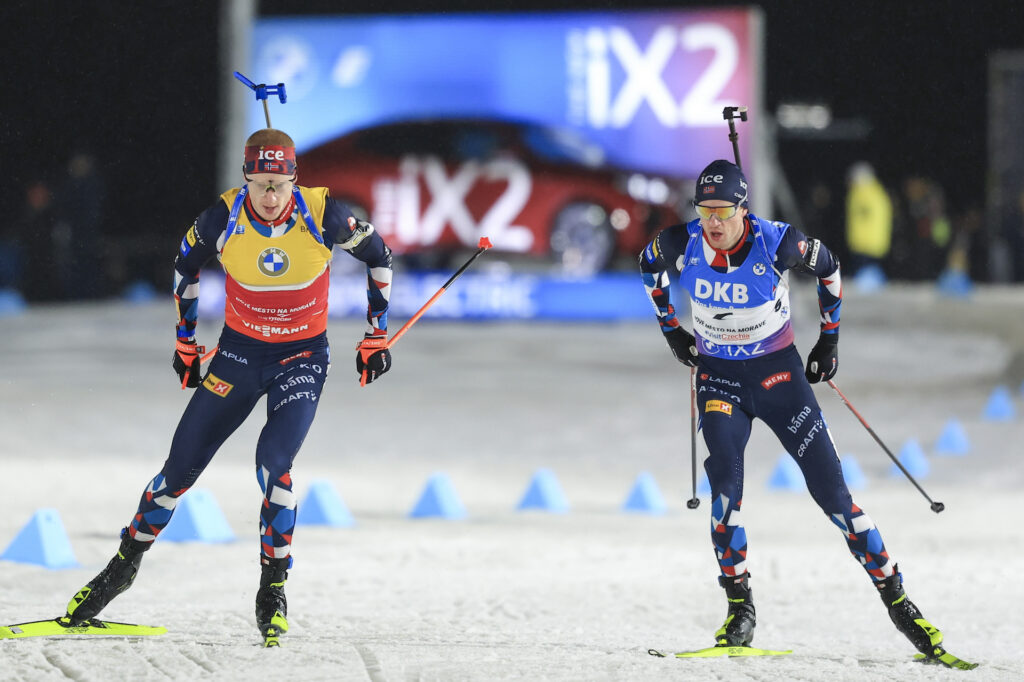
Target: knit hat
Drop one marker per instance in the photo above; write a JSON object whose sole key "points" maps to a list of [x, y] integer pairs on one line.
{"points": [[721, 180]]}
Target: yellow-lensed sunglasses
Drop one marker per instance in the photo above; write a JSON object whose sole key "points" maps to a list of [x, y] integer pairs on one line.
{"points": [[720, 212]]}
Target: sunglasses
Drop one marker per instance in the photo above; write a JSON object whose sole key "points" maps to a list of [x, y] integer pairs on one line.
{"points": [[260, 188], [720, 212]]}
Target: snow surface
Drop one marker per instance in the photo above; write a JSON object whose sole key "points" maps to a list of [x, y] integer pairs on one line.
{"points": [[89, 404]]}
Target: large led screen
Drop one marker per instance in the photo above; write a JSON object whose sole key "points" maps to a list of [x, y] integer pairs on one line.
{"points": [[647, 87]]}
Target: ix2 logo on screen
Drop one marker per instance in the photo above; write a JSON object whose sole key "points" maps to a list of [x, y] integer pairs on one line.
{"points": [[590, 63], [397, 202]]}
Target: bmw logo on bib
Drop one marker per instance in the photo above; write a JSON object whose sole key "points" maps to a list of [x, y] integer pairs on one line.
{"points": [[759, 268], [273, 262]]}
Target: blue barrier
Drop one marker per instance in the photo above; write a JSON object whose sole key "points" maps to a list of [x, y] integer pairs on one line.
{"points": [[486, 296]]}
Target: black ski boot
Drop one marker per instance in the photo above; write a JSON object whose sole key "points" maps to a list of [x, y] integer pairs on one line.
{"points": [[925, 637], [738, 628], [117, 577], [271, 605]]}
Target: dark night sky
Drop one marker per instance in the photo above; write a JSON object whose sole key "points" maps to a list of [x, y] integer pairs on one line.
{"points": [[137, 82]]}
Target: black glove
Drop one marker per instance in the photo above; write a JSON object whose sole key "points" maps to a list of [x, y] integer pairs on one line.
{"points": [[372, 358], [823, 360], [683, 345], [186, 362]]}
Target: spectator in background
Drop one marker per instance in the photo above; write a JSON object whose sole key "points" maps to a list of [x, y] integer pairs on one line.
{"points": [[819, 215], [968, 252], [868, 218], [1013, 233], [928, 228], [78, 233], [29, 245]]}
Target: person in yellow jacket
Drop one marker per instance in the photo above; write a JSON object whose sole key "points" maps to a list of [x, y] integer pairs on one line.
{"points": [[275, 241], [868, 218]]}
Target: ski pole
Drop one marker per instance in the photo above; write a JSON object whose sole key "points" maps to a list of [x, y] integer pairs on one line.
{"points": [[728, 113], [935, 506], [484, 244], [693, 502]]}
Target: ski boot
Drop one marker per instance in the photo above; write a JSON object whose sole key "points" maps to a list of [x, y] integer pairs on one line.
{"points": [[738, 628], [271, 605], [117, 577], [907, 618]]}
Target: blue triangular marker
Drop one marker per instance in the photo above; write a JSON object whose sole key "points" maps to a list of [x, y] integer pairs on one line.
{"points": [[438, 500], [11, 302], [954, 283], [913, 460], [852, 473], [545, 493], [787, 475], [42, 541], [1000, 405], [869, 278], [198, 518], [703, 484], [323, 506], [645, 497], [952, 440]]}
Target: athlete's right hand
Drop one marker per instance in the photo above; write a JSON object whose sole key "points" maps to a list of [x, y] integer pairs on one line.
{"points": [[683, 345], [372, 358], [186, 362]]}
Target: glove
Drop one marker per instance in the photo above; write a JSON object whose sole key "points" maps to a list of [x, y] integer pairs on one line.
{"points": [[372, 358], [823, 360], [186, 362], [683, 345]]}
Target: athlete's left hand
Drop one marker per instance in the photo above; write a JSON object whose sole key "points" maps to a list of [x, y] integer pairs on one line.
{"points": [[372, 358], [823, 360]]}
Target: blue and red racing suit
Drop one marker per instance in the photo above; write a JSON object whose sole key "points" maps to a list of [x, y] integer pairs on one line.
{"points": [[748, 367], [273, 344]]}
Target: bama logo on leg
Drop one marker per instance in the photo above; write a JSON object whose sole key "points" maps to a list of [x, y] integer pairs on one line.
{"points": [[217, 386]]}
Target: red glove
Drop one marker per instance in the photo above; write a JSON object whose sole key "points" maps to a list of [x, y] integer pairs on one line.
{"points": [[186, 362], [372, 358]]}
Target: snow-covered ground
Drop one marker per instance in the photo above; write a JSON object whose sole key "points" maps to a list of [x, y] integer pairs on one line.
{"points": [[89, 403]]}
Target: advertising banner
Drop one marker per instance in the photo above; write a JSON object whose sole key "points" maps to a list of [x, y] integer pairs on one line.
{"points": [[647, 87]]}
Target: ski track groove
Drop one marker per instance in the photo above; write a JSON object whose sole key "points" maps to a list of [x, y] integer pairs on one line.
{"points": [[374, 670], [200, 660], [56, 661], [154, 660]]}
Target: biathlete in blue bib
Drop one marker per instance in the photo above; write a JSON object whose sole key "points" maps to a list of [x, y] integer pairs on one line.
{"points": [[734, 266]]}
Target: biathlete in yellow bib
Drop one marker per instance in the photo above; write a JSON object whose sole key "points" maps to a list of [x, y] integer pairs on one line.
{"points": [[275, 241]]}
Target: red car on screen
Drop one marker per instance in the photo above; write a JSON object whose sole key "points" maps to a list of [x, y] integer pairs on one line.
{"points": [[438, 186]]}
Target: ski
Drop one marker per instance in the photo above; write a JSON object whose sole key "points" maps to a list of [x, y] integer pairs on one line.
{"points": [[57, 627], [943, 657], [713, 651]]}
